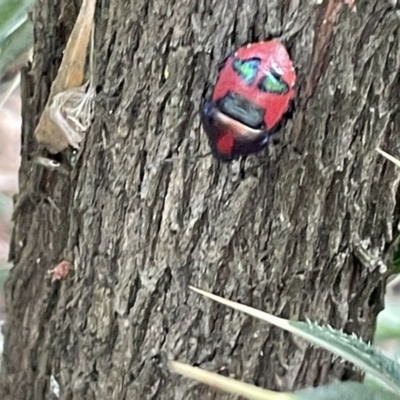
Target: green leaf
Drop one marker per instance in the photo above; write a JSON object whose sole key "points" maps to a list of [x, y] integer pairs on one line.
{"points": [[1, 343], [230, 385], [388, 323], [4, 270], [395, 267], [18, 43], [12, 14], [347, 391], [6, 204], [16, 36], [349, 347]]}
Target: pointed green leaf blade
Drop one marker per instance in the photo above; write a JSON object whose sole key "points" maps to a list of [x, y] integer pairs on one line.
{"points": [[347, 391], [349, 347]]}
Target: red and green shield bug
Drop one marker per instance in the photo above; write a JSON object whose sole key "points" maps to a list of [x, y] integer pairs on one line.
{"points": [[253, 92]]}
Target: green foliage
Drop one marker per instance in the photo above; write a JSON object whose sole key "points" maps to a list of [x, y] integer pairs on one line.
{"points": [[352, 349], [396, 260], [395, 266], [3, 276], [388, 323], [16, 35], [6, 204], [346, 391], [4, 270]]}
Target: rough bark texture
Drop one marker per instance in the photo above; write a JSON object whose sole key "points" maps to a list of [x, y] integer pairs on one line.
{"points": [[283, 236]]}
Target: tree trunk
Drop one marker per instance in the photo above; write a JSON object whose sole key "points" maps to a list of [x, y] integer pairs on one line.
{"points": [[290, 236]]}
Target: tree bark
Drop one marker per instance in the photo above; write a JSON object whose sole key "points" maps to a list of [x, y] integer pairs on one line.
{"points": [[286, 236]]}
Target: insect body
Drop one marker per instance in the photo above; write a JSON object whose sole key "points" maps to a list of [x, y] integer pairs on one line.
{"points": [[254, 90]]}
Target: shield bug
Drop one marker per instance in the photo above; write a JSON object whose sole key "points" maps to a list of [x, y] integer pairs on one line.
{"points": [[253, 92]]}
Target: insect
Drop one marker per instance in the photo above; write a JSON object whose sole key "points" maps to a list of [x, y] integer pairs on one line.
{"points": [[253, 92]]}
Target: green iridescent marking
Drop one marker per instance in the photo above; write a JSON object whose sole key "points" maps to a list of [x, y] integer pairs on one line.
{"points": [[246, 69], [272, 82]]}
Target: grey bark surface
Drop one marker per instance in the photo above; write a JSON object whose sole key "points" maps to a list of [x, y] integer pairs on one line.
{"points": [[281, 232]]}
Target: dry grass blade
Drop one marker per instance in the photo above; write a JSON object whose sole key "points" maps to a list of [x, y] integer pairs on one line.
{"points": [[228, 384], [394, 160]]}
